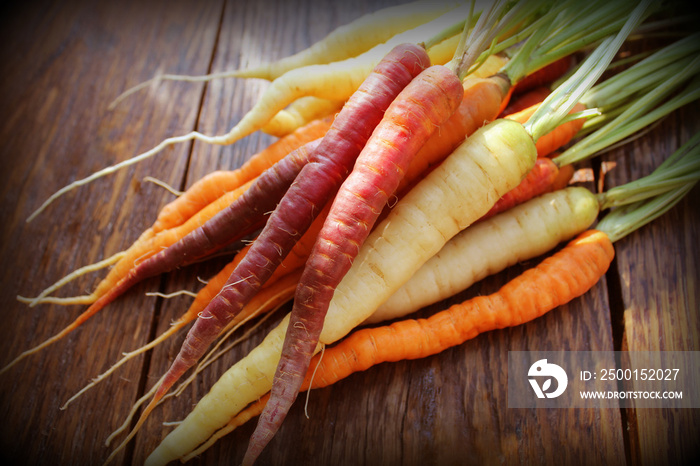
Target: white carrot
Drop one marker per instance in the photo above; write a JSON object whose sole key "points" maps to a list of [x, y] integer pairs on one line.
{"points": [[337, 80], [490, 246], [344, 42], [463, 188], [299, 113]]}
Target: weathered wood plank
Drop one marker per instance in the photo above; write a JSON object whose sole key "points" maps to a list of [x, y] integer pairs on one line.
{"points": [[658, 276], [62, 63]]}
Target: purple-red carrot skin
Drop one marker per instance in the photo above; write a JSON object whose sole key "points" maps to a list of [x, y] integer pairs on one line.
{"points": [[424, 105], [317, 183], [245, 215], [242, 217]]}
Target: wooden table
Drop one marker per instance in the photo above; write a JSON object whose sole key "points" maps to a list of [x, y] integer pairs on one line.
{"points": [[63, 62]]}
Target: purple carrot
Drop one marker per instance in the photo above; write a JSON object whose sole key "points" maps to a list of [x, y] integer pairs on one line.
{"points": [[410, 120], [243, 216], [316, 184]]}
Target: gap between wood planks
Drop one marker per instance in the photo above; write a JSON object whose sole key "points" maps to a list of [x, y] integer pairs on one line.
{"points": [[616, 305], [130, 449]]}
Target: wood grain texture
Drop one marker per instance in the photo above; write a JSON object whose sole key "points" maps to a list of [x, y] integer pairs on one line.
{"points": [[658, 276], [62, 63]]}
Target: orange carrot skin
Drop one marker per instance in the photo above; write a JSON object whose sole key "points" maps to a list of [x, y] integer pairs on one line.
{"points": [[567, 274], [560, 278], [538, 181], [216, 184], [561, 135], [316, 184], [424, 105], [566, 173]]}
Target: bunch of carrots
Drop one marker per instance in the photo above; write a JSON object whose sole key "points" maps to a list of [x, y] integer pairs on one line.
{"points": [[397, 159]]}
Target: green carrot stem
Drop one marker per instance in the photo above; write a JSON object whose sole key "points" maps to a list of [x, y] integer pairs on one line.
{"points": [[622, 221], [633, 78], [637, 116], [620, 95], [682, 168], [571, 27], [562, 100]]}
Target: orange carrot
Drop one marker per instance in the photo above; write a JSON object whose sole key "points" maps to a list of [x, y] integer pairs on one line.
{"points": [[538, 181], [566, 173], [567, 274]]}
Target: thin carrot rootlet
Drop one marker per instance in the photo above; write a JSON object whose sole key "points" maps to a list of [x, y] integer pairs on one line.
{"points": [[188, 211]]}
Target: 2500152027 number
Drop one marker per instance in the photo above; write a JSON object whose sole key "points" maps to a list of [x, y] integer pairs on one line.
{"points": [[639, 374]]}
